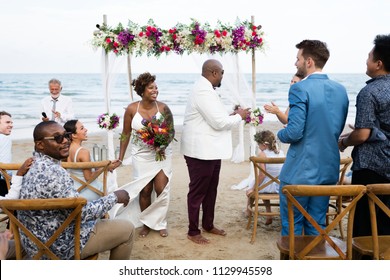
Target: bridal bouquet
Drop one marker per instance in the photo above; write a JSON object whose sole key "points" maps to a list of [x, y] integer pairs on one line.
{"points": [[156, 135], [108, 122], [254, 117]]}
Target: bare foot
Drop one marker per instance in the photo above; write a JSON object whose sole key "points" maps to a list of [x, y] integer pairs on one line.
{"points": [[198, 239], [163, 233], [216, 231], [144, 232], [268, 221]]}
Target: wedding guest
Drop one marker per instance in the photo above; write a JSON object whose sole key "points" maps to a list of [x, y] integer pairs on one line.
{"points": [[313, 157], [152, 167], [77, 153], [57, 107], [274, 109], [48, 179], [268, 148], [6, 125], [370, 153], [206, 139]]}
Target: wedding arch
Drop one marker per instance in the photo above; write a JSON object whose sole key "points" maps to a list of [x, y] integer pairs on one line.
{"points": [[195, 37]]}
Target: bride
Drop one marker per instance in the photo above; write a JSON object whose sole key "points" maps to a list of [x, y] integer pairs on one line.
{"points": [[150, 175]]}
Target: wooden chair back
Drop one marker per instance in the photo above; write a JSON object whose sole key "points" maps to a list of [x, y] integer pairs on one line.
{"points": [[257, 198], [75, 204], [322, 246], [336, 202], [102, 166], [375, 246], [5, 168]]}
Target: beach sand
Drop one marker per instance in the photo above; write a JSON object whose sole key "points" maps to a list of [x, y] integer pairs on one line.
{"points": [[228, 213]]}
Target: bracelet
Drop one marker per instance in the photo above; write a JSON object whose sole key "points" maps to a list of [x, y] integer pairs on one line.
{"points": [[120, 161]]}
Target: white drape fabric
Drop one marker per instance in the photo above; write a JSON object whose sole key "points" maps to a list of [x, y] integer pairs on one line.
{"points": [[110, 65]]}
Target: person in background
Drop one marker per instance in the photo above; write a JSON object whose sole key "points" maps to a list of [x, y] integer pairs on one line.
{"points": [[206, 139], [266, 141], [150, 174], [313, 156], [370, 154], [77, 153], [274, 109], [6, 125], [56, 107], [48, 179]]}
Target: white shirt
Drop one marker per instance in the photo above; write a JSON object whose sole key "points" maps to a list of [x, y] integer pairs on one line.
{"points": [[5, 148], [64, 106], [207, 125]]}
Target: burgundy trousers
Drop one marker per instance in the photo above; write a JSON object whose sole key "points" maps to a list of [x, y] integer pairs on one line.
{"points": [[204, 178]]}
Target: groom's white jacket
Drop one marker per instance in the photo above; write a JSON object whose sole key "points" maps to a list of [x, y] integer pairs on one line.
{"points": [[207, 124]]}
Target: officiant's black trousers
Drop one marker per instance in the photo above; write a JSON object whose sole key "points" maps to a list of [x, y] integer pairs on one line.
{"points": [[204, 178]]}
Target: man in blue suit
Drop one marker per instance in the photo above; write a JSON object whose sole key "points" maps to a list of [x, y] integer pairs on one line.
{"points": [[318, 110]]}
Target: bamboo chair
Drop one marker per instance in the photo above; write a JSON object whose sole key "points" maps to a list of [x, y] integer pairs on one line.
{"points": [[4, 168], [100, 165], [336, 202], [321, 246], [75, 204], [377, 247], [257, 198]]}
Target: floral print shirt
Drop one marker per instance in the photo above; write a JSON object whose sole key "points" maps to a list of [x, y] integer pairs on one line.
{"points": [[372, 105], [48, 179]]}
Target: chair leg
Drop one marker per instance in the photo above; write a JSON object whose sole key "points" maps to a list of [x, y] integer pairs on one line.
{"points": [[255, 217]]}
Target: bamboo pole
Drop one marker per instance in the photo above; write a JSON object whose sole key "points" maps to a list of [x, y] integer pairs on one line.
{"points": [[106, 75], [253, 73], [129, 75]]}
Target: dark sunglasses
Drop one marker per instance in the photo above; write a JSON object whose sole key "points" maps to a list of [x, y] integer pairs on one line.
{"points": [[59, 138]]}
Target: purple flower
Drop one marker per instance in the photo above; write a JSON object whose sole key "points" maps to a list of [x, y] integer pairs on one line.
{"points": [[125, 37]]}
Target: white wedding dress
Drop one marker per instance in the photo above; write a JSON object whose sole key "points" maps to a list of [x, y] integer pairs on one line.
{"points": [[145, 168]]}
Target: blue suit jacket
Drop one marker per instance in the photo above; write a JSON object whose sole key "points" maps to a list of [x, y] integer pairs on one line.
{"points": [[318, 110]]}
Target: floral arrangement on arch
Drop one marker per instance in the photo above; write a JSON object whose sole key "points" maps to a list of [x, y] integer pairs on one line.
{"points": [[105, 121], [192, 38]]}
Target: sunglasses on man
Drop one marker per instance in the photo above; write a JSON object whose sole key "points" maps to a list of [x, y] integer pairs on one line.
{"points": [[59, 138]]}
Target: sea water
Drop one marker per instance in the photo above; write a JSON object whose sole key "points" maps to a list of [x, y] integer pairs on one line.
{"points": [[21, 94]]}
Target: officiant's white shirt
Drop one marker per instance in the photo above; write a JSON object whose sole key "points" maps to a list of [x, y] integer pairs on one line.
{"points": [[207, 125]]}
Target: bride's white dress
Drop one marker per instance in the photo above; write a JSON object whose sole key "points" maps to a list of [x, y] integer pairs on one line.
{"points": [[145, 168]]}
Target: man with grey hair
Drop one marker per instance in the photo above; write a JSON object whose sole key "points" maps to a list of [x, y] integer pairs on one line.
{"points": [[57, 107]]}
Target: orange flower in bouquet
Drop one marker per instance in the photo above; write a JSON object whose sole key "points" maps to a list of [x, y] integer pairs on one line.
{"points": [[156, 135]]}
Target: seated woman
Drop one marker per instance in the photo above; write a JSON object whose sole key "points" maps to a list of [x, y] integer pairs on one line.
{"points": [[266, 141], [77, 153]]}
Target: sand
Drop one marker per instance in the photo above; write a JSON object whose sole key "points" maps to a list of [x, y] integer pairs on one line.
{"points": [[228, 214]]}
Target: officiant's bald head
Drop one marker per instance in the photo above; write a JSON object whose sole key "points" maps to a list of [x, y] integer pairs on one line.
{"points": [[213, 71]]}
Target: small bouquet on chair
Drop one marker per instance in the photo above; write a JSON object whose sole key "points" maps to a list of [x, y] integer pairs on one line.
{"points": [[254, 117], [156, 135]]}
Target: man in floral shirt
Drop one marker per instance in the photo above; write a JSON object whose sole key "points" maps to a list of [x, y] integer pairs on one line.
{"points": [[48, 179]]}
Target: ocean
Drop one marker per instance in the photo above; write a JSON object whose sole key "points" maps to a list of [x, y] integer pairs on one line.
{"points": [[21, 94]]}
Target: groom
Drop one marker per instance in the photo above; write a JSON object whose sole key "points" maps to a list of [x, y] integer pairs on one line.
{"points": [[206, 139], [318, 110]]}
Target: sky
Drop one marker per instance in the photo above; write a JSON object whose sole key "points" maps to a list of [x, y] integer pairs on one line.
{"points": [[53, 36]]}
